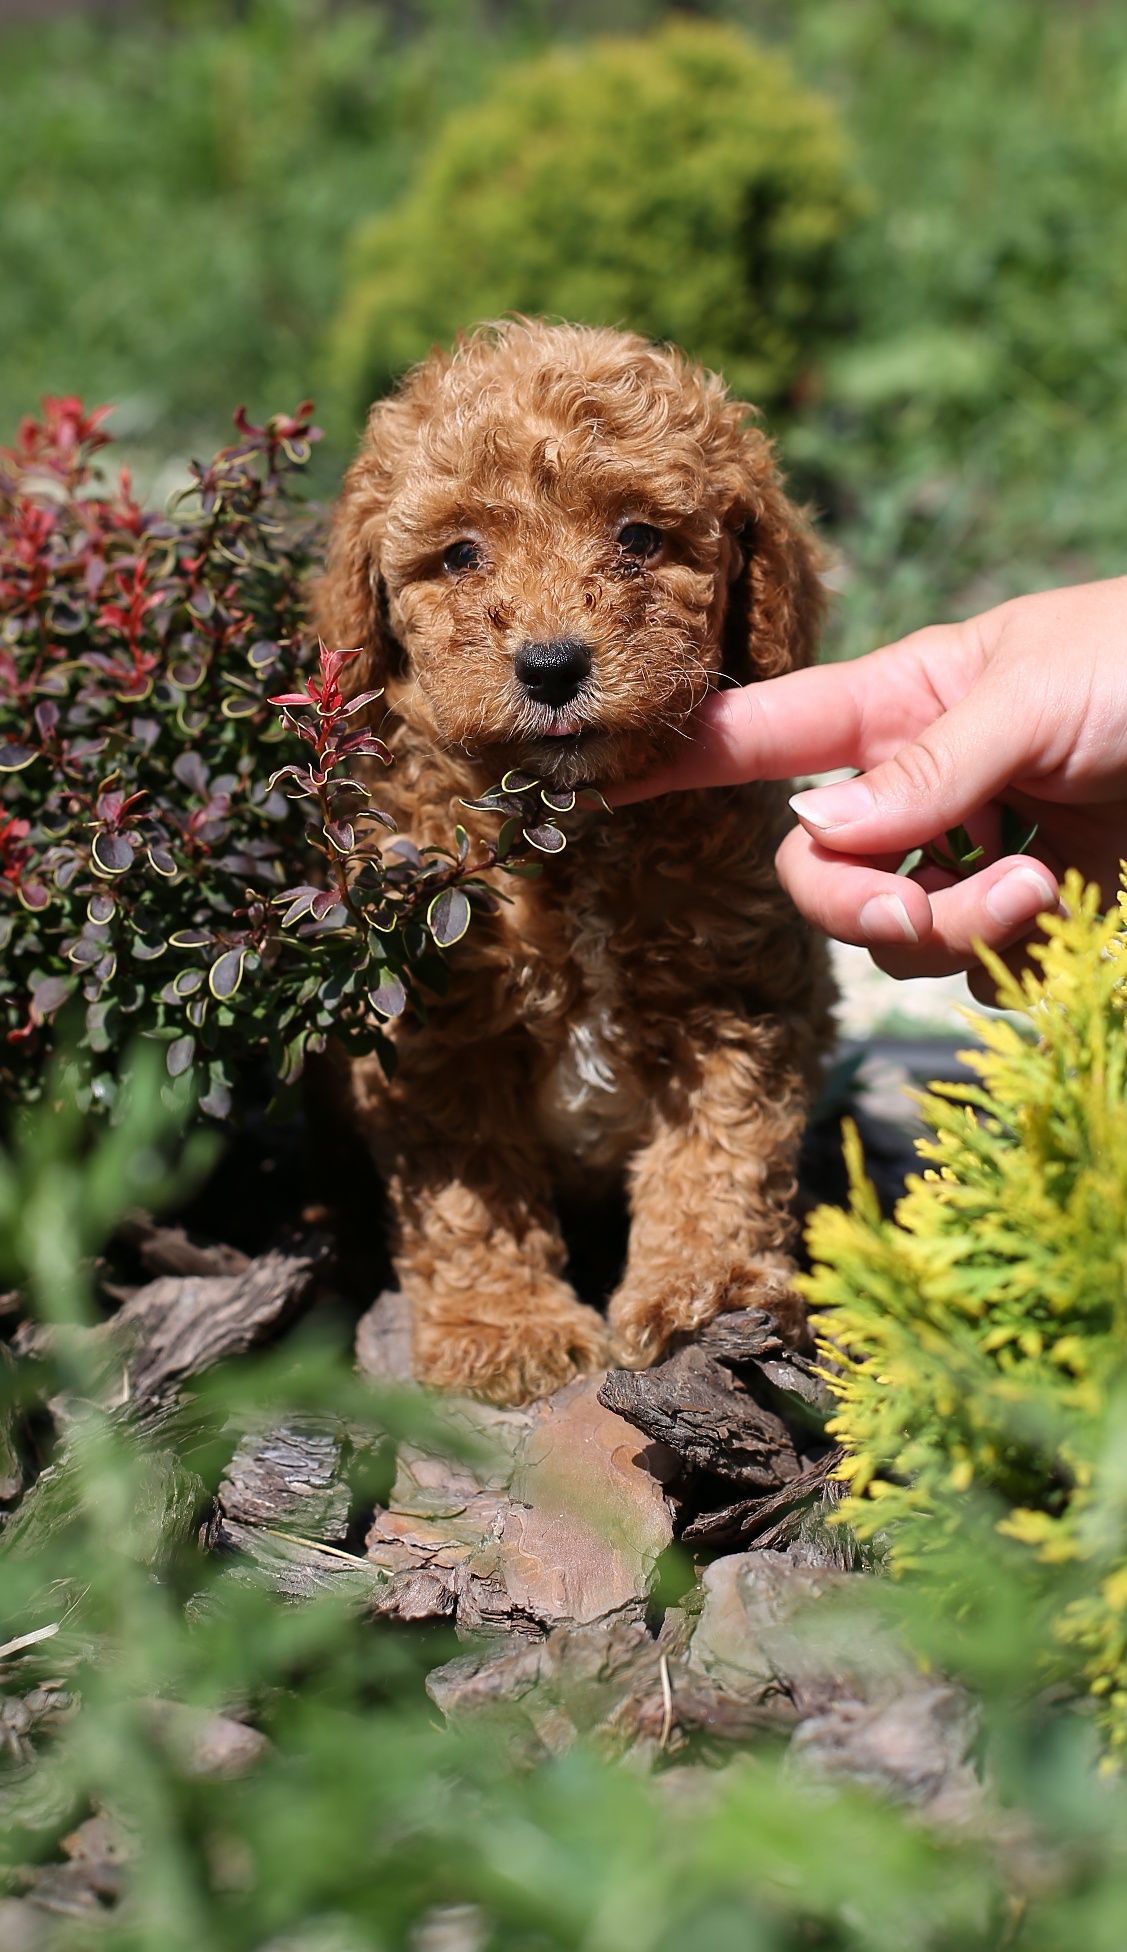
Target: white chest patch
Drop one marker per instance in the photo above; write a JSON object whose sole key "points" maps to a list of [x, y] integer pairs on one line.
{"points": [[588, 1104]]}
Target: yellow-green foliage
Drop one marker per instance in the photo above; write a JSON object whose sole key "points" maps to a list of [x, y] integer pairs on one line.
{"points": [[985, 1327], [684, 185]]}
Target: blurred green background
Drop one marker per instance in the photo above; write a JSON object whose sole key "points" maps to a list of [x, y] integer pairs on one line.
{"points": [[924, 282]]}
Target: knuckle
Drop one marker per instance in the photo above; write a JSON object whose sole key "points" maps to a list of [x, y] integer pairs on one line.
{"points": [[931, 638], [918, 773]]}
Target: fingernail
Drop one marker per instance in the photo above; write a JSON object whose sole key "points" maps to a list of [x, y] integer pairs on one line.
{"points": [[834, 806], [882, 913], [1012, 899]]}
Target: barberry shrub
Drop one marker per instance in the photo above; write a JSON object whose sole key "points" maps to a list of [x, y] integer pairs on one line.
{"points": [[977, 1342], [167, 868]]}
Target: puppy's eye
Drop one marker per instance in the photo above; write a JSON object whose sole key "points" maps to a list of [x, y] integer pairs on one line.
{"points": [[462, 555], [640, 539]]}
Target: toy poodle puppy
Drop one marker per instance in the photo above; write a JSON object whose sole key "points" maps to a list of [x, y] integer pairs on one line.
{"points": [[554, 542]]}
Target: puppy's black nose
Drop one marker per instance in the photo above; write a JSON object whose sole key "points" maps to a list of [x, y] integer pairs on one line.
{"points": [[552, 673]]}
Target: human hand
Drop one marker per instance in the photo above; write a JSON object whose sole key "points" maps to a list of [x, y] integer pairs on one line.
{"points": [[1024, 707]]}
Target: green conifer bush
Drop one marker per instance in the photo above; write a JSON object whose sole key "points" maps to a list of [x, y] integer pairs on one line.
{"points": [[977, 1342], [685, 185]]}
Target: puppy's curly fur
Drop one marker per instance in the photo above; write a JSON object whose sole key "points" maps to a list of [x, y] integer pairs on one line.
{"points": [[652, 1003]]}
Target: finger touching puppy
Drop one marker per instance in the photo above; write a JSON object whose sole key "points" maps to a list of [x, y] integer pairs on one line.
{"points": [[554, 543]]}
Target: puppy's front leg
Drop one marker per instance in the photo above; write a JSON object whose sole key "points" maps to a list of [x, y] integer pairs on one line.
{"points": [[477, 1249], [711, 1193]]}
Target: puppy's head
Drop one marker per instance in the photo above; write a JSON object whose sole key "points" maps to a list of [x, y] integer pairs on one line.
{"points": [[555, 541]]}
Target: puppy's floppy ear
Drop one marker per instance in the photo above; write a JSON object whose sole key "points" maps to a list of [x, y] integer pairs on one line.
{"points": [[776, 598], [350, 603]]}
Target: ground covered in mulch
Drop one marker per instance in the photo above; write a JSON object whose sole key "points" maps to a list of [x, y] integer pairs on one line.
{"points": [[636, 1559]]}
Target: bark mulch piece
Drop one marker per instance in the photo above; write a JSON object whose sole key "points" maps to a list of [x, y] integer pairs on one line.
{"points": [[179, 1325], [698, 1409], [563, 1520], [290, 1476]]}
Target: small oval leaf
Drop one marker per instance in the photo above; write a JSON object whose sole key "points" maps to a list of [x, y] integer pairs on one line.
{"points": [[13, 757], [238, 705], [49, 993], [162, 861], [110, 853], [224, 976], [187, 673], [448, 917], [148, 948], [389, 998], [506, 839], [546, 838], [180, 1055], [190, 770]]}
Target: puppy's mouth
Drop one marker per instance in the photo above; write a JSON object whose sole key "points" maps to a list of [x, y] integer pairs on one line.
{"points": [[570, 753]]}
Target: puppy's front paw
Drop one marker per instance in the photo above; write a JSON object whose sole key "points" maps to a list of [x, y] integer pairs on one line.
{"points": [[514, 1359], [650, 1312]]}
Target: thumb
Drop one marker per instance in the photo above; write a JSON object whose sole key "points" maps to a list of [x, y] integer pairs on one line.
{"points": [[955, 765]]}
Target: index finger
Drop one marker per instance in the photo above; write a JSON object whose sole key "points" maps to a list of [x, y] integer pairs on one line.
{"points": [[811, 721], [804, 722]]}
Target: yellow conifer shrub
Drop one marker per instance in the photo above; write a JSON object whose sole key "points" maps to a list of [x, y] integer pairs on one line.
{"points": [[977, 1342]]}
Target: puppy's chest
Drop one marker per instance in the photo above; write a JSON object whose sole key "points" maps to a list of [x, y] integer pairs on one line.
{"points": [[590, 1106]]}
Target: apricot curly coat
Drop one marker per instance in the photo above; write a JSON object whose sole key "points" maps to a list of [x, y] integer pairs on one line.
{"points": [[652, 1004]]}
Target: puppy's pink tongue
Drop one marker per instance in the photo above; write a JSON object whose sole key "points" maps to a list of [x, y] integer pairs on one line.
{"points": [[566, 730]]}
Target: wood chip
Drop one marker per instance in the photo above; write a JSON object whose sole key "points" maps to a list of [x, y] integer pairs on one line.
{"points": [[178, 1326], [290, 1476], [383, 1339], [768, 1521], [697, 1408], [297, 1568], [165, 1249]]}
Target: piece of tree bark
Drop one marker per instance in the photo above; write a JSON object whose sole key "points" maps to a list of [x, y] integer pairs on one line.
{"points": [[39, 1713], [694, 1406], [23, 1927], [864, 1712], [180, 1325], [570, 1529], [206, 1744], [746, 1335], [297, 1568], [164, 1516], [609, 1682], [176, 1327], [71, 1890], [11, 1467], [290, 1476], [383, 1339], [747, 1341], [163, 1249], [913, 1743], [768, 1521]]}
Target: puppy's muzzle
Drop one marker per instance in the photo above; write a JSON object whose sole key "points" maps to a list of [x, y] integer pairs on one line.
{"points": [[551, 674]]}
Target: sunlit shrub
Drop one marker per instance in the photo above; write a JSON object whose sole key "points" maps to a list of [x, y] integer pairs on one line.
{"points": [[984, 1328], [684, 185]]}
